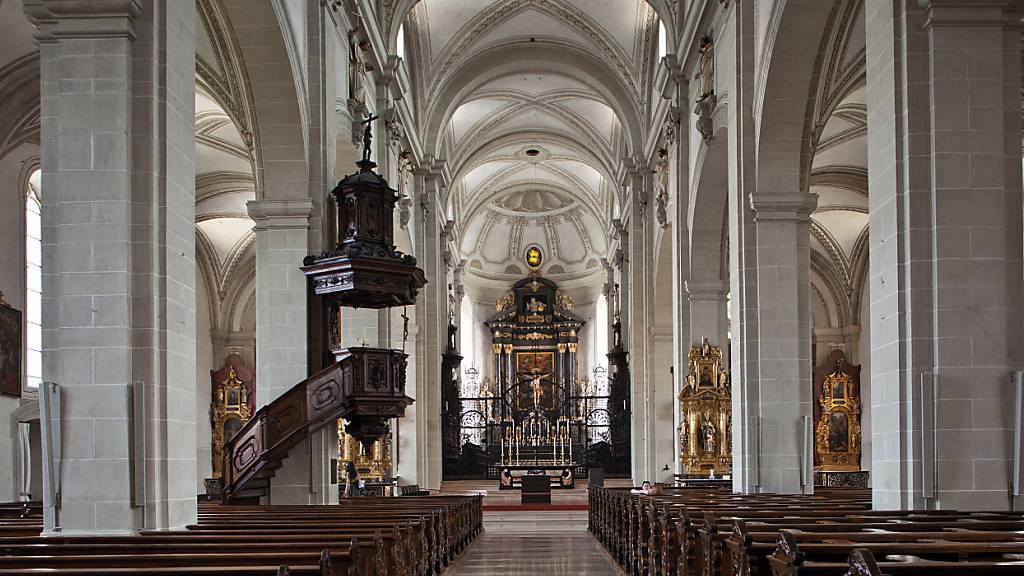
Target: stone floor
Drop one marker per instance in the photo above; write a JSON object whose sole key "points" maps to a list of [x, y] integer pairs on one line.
{"points": [[534, 542], [538, 554]]}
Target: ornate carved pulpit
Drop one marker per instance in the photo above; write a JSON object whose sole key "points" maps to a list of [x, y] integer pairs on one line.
{"points": [[366, 270], [705, 414]]}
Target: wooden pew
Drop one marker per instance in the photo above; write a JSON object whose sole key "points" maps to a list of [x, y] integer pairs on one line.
{"points": [[954, 559], [408, 537]]}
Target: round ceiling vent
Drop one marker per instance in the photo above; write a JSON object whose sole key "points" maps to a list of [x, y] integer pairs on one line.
{"points": [[534, 153]]}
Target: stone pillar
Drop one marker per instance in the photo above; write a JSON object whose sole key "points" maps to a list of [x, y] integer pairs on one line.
{"points": [[744, 352], [431, 321], [707, 312], [653, 405], [782, 229], [282, 241], [944, 158], [118, 158]]}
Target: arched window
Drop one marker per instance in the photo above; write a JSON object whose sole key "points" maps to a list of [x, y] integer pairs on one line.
{"points": [[601, 328], [662, 40], [400, 42], [33, 283]]}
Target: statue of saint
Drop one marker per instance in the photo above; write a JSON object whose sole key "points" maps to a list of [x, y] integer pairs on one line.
{"points": [[356, 69], [535, 305], [706, 73], [661, 170], [708, 432]]}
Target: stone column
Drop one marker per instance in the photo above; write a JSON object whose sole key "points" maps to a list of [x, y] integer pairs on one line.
{"points": [[744, 353], [782, 231], [653, 403], [118, 155], [431, 321], [707, 312], [282, 241], [944, 158]]}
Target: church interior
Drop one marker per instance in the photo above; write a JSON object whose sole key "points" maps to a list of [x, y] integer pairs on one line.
{"points": [[410, 287]]}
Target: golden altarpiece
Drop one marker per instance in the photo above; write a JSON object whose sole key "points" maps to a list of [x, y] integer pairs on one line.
{"points": [[837, 435], [705, 414], [232, 405], [372, 464]]}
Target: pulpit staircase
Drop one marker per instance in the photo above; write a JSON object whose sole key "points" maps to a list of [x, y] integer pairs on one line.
{"points": [[365, 385]]}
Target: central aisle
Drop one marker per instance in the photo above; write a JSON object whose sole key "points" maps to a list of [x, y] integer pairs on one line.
{"points": [[534, 540], [543, 553]]}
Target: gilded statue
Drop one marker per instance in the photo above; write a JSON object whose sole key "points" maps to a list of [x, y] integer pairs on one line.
{"points": [[504, 302]]}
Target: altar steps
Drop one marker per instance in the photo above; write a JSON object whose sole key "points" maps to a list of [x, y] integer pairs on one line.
{"points": [[532, 522]]}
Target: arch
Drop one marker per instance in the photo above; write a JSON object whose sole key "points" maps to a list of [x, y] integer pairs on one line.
{"points": [[537, 57], [279, 140], [20, 101], [707, 218], [790, 61]]}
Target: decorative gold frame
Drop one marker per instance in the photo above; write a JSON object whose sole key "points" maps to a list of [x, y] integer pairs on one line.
{"points": [[838, 432], [375, 465], [230, 404], [705, 414]]}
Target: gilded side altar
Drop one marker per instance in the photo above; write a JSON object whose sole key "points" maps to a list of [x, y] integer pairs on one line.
{"points": [[705, 414]]}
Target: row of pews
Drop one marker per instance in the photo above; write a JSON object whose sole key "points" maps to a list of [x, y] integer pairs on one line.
{"points": [[713, 532], [410, 536]]}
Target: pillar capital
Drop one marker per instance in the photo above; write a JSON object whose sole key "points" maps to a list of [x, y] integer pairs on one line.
{"points": [[973, 13], [795, 207], [707, 290], [280, 214], [83, 18]]}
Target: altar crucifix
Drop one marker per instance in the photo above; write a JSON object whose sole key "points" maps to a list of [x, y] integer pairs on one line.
{"points": [[538, 390]]}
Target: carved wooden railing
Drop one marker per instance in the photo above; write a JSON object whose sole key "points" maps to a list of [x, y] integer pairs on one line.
{"points": [[365, 384]]}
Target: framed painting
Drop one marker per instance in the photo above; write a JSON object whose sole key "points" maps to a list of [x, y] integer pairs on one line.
{"points": [[10, 350]]}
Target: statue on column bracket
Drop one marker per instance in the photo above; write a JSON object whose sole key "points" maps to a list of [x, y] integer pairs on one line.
{"points": [[706, 98], [661, 181], [405, 168], [357, 69]]}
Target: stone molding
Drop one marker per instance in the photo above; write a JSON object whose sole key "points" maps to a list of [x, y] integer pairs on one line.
{"points": [[707, 290], [280, 214], [968, 13], [783, 207], [58, 19]]}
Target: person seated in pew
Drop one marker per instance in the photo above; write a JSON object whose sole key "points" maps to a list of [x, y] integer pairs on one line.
{"points": [[644, 488]]}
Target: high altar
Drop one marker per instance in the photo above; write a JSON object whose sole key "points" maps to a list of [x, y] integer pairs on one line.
{"points": [[705, 414], [535, 339]]}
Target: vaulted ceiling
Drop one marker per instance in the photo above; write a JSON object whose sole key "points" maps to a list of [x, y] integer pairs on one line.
{"points": [[534, 146], [839, 171]]}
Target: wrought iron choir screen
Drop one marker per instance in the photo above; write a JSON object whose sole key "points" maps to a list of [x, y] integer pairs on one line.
{"points": [[536, 411]]}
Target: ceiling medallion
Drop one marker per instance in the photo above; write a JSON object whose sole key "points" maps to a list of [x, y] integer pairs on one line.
{"points": [[534, 257]]}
